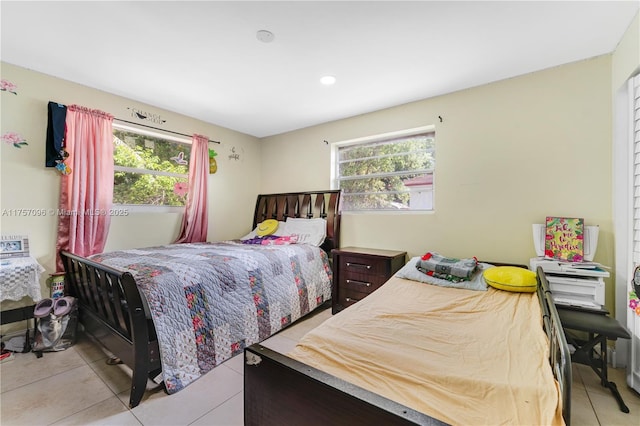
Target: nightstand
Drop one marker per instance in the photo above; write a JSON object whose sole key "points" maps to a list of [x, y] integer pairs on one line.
{"points": [[358, 272]]}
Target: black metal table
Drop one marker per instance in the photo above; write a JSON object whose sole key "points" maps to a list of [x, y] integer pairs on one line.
{"points": [[599, 326]]}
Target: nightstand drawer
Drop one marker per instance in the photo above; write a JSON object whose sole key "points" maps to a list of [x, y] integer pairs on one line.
{"points": [[361, 284], [374, 280], [349, 297], [363, 266]]}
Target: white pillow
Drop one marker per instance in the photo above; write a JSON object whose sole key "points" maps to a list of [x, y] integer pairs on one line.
{"points": [[309, 231], [279, 232]]}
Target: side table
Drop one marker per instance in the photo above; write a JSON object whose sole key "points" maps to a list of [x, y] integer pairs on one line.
{"points": [[20, 277], [358, 272]]}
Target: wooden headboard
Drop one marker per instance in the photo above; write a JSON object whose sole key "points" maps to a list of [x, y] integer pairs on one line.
{"points": [[309, 205]]}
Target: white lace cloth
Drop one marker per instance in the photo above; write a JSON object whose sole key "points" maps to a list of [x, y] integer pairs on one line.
{"points": [[20, 277]]}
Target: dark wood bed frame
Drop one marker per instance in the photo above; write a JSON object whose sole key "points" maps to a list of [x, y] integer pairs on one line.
{"points": [[279, 390], [115, 313]]}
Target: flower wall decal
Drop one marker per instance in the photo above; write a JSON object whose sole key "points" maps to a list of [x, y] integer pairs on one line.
{"points": [[7, 86], [13, 138], [180, 189], [634, 302]]}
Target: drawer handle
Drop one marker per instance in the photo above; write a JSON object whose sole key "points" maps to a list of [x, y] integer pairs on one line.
{"points": [[349, 299], [359, 283], [358, 265]]}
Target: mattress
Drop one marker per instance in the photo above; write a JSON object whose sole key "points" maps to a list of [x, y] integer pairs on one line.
{"points": [[208, 301], [461, 356]]}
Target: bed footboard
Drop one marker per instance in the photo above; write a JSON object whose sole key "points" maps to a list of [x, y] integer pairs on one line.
{"points": [[113, 312], [280, 390], [559, 355]]}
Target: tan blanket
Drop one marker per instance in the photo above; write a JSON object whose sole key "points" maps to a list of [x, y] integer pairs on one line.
{"points": [[461, 356]]}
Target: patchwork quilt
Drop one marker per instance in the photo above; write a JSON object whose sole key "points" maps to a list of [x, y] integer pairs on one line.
{"points": [[208, 301]]}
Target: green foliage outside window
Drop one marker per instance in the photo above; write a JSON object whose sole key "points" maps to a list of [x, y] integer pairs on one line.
{"points": [[372, 175], [142, 155]]}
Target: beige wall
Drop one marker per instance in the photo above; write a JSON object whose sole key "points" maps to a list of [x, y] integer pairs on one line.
{"points": [[626, 57], [508, 154], [27, 184]]}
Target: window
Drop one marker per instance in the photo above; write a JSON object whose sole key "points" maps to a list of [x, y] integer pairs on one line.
{"points": [[149, 169], [387, 172]]}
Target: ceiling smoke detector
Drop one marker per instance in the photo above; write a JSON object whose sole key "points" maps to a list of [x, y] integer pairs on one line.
{"points": [[265, 36]]}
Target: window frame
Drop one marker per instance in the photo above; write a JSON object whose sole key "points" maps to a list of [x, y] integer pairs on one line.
{"points": [[149, 208], [335, 180]]}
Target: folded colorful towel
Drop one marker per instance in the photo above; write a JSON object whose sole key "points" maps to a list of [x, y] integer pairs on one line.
{"points": [[448, 277], [260, 240], [272, 240], [433, 262]]}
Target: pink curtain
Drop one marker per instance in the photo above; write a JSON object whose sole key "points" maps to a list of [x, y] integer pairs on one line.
{"points": [[86, 195], [195, 220]]}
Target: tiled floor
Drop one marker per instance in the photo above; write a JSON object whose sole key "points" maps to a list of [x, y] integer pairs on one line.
{"points": [[76, 387]]}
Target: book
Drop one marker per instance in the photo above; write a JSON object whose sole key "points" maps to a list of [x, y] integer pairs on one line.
{"points": [[564, 239], [587, 265]]}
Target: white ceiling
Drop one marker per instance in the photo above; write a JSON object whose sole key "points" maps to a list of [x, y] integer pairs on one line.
{"points": [[203, 59]]}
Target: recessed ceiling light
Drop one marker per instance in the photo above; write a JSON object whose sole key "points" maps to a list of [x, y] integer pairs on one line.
{"points": [[265, 36], [328, 80]]}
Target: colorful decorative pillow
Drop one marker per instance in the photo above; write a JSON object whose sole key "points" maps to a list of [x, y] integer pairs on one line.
{"points": [[267, 227], [410, 272], [511, 278]]}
